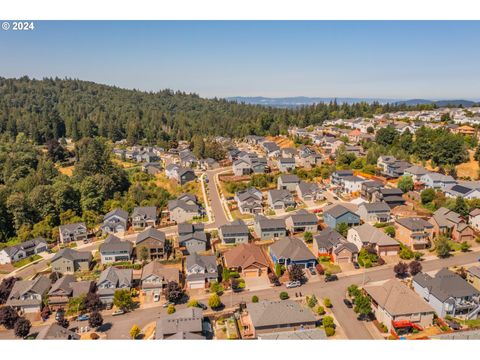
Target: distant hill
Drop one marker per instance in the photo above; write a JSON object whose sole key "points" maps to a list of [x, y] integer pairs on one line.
{"points": [[439, 103], [303, 100]]}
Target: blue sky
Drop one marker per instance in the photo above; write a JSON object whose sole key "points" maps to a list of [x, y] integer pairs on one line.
{"points": [[383, 59]]}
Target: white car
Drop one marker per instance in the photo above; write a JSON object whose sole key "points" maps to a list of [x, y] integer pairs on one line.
{"points": [[293, 284], [156, 297]]}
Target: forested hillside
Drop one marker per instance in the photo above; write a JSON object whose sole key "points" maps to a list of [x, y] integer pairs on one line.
{"points": [[53, 108]]}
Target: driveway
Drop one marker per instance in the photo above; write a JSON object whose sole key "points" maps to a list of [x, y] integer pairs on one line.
{"points": [[257, 282]]}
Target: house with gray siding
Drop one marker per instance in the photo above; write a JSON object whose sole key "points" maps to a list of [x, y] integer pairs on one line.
{"points": [[27, 295], [144, 216], [280, 199], [288, 182], [249, 201], [184, 208], [337, 214], [23, 250], [376, 212], [235, 232], [73, 232], [266, 229], [192, 237], [200, 270], [115, 222], [68, 261], [302, 221], [112, 279], [114, 249]]}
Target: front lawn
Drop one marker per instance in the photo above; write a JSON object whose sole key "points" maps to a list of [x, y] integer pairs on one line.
{"points": [[26, 261], [472, 324], [329, 267]]}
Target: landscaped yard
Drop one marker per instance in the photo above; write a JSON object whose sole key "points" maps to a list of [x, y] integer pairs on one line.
{"points": [[328, 266], [475, 323], [236, 214], [26, 261]]}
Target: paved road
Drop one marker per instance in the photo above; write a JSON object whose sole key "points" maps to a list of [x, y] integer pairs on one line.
{"points": [[220, 218]]}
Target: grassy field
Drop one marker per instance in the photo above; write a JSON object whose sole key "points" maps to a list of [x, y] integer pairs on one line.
{"points": [[192, 187], [469, 169], [125, 164], [67, 170], [26, 261]]}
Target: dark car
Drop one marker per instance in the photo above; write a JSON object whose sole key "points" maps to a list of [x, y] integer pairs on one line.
{"points": [[202, 306], [348, 303], [312, 271], [331, 278], [60, 315], [356, 266]]}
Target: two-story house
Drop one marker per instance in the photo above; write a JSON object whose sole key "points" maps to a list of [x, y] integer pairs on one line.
{"points": [[28, 295], [337, 214], [367, 236], [112, 279], [200, 270], [249, 201], [68, 261], [414, 232], [73, 232], [280, 199], [115, 222], [288, 182], [235, 232], [266, 229], [114, 249], [192, 237], [11, 254], [144, 216], [151, 244], [156, 276], [376, 212], [302, 221]]}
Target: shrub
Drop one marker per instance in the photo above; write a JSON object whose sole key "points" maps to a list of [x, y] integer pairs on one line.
{"points": [[214, 301], [312, 301], [283, 295], [406, 253], [320, 269], [327, 303], [134, 331], [320, 310], [329, 331], [254, 299], [328, 321], [192, 303], [94, 336], [171, 309]]}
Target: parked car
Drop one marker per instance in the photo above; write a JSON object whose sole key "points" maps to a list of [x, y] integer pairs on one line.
{"points": [[293, 284], [156, 297], [356, 266], [453, 324], [335, 197], [167, 304], [331, 278], [118, 312], [60, 314], [348, 303], [202, 306], [83, 317], [312, 271]]}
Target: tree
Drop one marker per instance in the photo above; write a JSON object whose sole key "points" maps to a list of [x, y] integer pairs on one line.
{"points": [[401, 269], [406, 253], [8, 317], [312, 301], [92, 301], [278, 269], [461, 207], [6, 287], [405, 183], [329, 331], [386, 136], [415, 267], [442, 246], [134, 332], [173, 292], [171, 309], [308, 237], [342, 229], [320, 310], [464, 246], [328, 321], [214, 301], [75, 305], [390, 231], [295, 273], [192, 303], [216, 287], [143, 253], [254, 299], [96, 319], [363, 305], [427, 196], [353, 291], [22, 327], [283, 295], [327, 303], [122, 299]]}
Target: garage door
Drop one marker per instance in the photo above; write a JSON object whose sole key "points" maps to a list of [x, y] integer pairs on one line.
{"points": [[342, 260], [250, 273], [196, 285]]}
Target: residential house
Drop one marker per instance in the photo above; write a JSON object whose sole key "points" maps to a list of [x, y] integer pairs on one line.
{"points": [[291, 250], [394, 304], [144, 216], [112, 279], [187, 159], [241, 167], [416, 172], [66, 288], [73, 232], [466, 189], [437, 181], [448, 294], [271, 148], [368, 188], [450, 223], [267, 229], [337, 214], [249, 201], [180, 174], [248, 259], [376, 212], [11, 254], [27, 295], [56, 332], [154, 243], [114, 250], [299, 334], [302, 221], [115, 222], [280, 199], [186, 322], [235, 232], [286, 164], [209, 164], [184, 208], [275, 316], [338, 176], [192, 237], [416, 233], [156, 276], [473, 276], [288, 182], [68, 261], [474, 219], [152, 168], [200, 270], [288, 152], [367, 236], [330, 243], [352, 184], [392, 197], [309, 191]]}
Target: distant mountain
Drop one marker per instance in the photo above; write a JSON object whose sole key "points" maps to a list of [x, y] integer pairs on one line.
{"points": [[439, 103], [302, 100], [297, 101]]}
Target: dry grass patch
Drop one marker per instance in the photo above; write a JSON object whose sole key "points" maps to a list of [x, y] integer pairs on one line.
{"points": [[469, 169]]}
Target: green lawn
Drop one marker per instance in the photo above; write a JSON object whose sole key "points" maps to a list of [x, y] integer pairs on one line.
{"points": [[26, 261], [332, 268], [454, 246], [470, 323]]}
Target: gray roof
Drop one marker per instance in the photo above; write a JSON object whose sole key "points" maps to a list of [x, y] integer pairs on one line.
{"points": [[338, 210], [63, 284], [183, 320], [185, 335], [235, 227], [12, 250], [208, 262], [328, 238], [416, 170], [73, 255], [81, 287], [150, 233], [308, 188], [187, 228], [280, 195], [372, 235], [248, 193], [289, 178], [114, 243], [458, 335], [414, 223], [445, 284], [304, 217], [147, 212], [56, 332], [72, 227], [117, 212], [197, 235], [301, 334], [474, 271], [282, 312], [173, 204], [38, 286], [291, 248], [157, 269], [116, 276], [266, 223], [378, 206]]}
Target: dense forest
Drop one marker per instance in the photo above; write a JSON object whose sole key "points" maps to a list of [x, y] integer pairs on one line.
{"points": [[53, 108]]}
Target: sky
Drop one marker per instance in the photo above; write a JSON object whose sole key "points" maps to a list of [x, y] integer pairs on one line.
{"points": [[361, 59]]}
